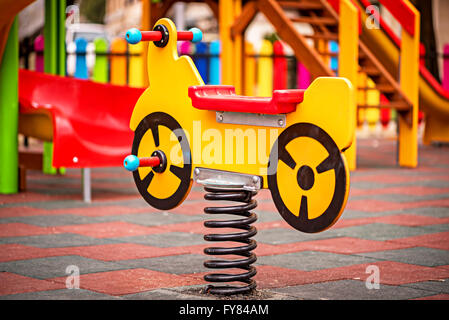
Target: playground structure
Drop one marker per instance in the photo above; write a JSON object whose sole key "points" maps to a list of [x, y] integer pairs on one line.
{"points": [[323, 125], [376, 51], [305, 171], [377, 73]]}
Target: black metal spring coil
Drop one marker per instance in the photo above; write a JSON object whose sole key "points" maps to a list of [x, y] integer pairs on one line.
{"points": [[245, 197]]}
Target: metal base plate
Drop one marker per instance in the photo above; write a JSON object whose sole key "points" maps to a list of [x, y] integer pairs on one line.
{"points": [[227, 180], [252, 119]]}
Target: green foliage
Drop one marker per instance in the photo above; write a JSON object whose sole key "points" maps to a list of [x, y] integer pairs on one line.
{"points": [[272, 37], [93, 10]]}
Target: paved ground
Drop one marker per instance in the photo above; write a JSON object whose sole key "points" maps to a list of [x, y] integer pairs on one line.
{"points": [[396, 220]]}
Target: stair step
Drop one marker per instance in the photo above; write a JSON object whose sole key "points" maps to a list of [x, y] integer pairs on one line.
{"points": [[306, 5], [322, 36], [370, 71], [384, 88], [328, 21], [398, 105]]}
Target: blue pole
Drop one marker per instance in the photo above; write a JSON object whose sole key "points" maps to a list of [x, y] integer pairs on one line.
{"points": [[81, 71], [201, 60], [214, 63]]}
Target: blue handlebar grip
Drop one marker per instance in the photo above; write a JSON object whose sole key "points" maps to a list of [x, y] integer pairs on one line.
{"points": [[131, 163], [197, 35], [133, 36]]}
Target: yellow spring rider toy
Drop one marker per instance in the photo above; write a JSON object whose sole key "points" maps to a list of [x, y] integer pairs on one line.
{"points": [[291, 143]]}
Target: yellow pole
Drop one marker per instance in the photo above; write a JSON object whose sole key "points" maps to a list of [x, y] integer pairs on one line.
{"points": [[348, 63], [237, 47], [226, 13], [118, 62], [250, 69], [136, 74], [146, 25], [409, 77], [265, 70], [372, 99]]}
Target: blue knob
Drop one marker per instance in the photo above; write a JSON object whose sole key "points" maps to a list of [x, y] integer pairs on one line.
{"points": [[197, 35], [133, 36], [131, 163]]}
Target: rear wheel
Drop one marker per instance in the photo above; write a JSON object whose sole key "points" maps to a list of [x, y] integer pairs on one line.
{"points": [[308, 178]]}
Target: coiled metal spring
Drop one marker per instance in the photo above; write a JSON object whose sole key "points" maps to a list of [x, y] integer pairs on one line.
{"points": [[248, 203]]}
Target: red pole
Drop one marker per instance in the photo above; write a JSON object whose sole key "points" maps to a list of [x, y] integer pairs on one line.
{"points": [[280, 67]]}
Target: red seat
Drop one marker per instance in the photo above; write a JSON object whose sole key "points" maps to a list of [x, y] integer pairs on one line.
{"points": [[223, 98]]}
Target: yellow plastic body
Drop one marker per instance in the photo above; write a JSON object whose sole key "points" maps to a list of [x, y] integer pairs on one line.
{"points": [[328, 103]]}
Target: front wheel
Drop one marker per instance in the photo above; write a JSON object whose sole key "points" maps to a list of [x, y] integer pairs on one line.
{"points": [[164, 187], [308, 178]]}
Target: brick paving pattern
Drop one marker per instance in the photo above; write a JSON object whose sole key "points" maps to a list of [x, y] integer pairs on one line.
{"points": [[396, 219]]}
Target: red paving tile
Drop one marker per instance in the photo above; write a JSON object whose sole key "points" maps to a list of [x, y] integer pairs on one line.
{"points": [[396, 273], [98, 211], [122, 251], [396, 178], [391, 273], [131, 281], [410, 220], [102, 211], [438, 240], [108, 229], [344, 245], [33, 197], [369, 205], [13, 284], [407, 190], [13, 252], [22, 230]]}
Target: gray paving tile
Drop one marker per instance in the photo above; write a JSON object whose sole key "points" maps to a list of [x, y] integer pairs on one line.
{"points": [[63, 294], [58, 240], [165, 294], [378, 231], [54, 267], [153, 219], [417, 256], [282, 235], [437, 227], [439, 212], [351, 290], [164, 240], [179, 264], [312, 260], [433, 286], [53, 220]]}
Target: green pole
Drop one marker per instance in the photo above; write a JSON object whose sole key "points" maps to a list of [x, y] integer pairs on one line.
{"points": [[54, 58], [9, 114]]}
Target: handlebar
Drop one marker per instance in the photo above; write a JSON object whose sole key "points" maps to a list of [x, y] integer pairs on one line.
{"points": [[160, 35]]}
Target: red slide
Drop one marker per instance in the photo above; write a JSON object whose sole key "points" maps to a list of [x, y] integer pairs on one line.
{"points": [[88, 122]]}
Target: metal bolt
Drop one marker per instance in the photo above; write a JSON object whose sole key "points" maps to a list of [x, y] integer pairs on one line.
{"points": [[255, 179], [196, 172], [281, 122], [220, 117]]}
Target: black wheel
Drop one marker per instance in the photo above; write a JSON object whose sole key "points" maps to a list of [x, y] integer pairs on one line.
{"points": [[164, 187], [308, 178]]}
